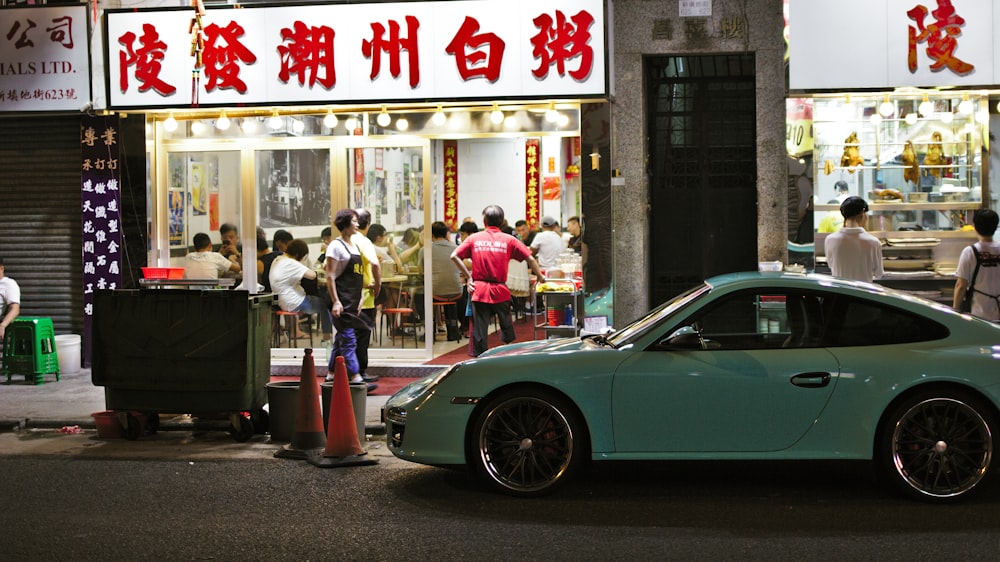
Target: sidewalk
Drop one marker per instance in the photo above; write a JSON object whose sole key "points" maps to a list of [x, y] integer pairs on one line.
{"points": [[72, 400]]}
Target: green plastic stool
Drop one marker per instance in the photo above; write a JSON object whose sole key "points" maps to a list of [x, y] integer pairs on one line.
{"points": [[29, 349]]}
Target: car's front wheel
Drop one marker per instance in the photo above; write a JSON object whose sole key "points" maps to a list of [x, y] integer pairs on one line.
{"points": [[527, 442], [937, 446]]}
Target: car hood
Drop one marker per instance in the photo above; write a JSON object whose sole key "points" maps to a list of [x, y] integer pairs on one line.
{"points": [[539, 346]]}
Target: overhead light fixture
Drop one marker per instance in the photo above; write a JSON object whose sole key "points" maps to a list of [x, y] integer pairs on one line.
{"points": [[926, 107], [170, 124], [876, 119], [330, 120], [197, 128], [298, 126], [911, 118], [551, 115], [275, 122], [383, 118], [350, 124], [222, 123], [249, 125], [965, 106], [947, 117], [562, 120], [439, 118], [402, 124], [886, 109], [496, 116]]}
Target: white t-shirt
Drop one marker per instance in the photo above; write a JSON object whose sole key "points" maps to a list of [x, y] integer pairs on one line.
{"points": [[987, 280], [854, 254], [205, 265], [549, 246], [286, 282], [10, 293]]}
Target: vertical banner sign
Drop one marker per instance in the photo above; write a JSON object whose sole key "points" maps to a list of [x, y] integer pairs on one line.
{"points": [[532, 193], [451, 184], [359, 166], [101, 213]]}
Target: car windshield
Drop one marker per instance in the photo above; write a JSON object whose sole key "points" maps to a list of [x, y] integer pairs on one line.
{"points": [[640, 326]]}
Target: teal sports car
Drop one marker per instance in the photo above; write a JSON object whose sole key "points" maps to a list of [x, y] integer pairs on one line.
{"points": [[747, 366]]}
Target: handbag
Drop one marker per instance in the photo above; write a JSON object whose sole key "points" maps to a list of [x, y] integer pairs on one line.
{"points": [[966, 304]]}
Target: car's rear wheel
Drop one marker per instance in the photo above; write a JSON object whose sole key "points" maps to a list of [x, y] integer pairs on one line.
{"points": [[937, 446], [527, 442]]}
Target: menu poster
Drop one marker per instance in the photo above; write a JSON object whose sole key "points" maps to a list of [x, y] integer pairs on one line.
{"points": [[101, 213]]}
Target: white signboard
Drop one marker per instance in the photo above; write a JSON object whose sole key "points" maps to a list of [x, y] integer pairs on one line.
{"points": [[44, 63], [856, 44], [694, 8], [358, 53]]}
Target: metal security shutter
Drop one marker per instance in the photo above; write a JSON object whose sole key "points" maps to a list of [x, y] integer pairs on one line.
{"points": [[40, 216]]}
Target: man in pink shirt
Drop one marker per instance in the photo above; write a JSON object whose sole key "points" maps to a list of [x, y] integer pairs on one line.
{"points": [[491, 251]]}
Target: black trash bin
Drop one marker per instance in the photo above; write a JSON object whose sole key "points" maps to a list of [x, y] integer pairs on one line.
{"points": [[184, 351]]}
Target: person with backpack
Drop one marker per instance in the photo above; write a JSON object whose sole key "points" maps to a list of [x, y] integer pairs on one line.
{"points": [[977, 283]]}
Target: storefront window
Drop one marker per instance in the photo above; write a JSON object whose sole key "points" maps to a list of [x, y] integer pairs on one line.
{"points": [[203, 193]]}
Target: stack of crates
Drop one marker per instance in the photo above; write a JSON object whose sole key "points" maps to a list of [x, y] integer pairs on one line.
{"points": [[29, 349]]}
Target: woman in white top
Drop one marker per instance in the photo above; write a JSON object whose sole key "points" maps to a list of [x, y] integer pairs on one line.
{"points": [[286, 275]]}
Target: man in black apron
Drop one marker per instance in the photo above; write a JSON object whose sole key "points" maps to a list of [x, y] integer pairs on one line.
{"points": [[344, 281]]}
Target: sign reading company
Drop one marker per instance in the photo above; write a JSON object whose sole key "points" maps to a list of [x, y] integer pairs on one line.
{"points": [[44, 64], [920, 43], [357, 52]]}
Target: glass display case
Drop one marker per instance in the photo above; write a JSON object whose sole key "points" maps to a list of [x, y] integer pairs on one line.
{"points": [[917, 159]]}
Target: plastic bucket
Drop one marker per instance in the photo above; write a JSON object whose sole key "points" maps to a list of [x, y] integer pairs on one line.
{"points": [[282, 401], [359, 401], [108, 426], [68, 352]]}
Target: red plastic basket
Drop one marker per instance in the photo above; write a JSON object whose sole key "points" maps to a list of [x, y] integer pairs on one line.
{"points": [[163, 272]]}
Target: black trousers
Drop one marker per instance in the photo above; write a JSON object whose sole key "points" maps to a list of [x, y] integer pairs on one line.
{"points": [[364, 338], [482, 315]]}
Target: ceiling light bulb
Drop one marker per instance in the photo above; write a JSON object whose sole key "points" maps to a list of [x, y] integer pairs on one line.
{"points": [[223, 122], [875, 118], [886, 109], [439, 118], [911, 118], [983, 116], [170, 124], [197, 128], [496, 116], [563, 120], [926, 107], [249, 126], [402, 124], [551, 115], [275, 122], [965, 106], [330, 120], [947, 117], [383, 118], [298, 126], [350, 124]]}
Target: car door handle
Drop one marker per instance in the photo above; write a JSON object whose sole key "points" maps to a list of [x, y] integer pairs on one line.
{"points": [[811, 380]]}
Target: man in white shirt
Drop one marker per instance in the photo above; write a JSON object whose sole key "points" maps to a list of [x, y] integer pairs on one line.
{"points": [[548, 244], [851, 252], [10, 300], [203, 263]]}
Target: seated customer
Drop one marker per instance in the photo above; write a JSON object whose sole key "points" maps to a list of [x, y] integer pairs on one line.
{"points": [[281, 240], [445, 277], [203, 263], [285, 277]]}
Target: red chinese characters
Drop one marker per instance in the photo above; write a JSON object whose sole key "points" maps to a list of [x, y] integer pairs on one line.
{"points": [[560, 40], [308, 53], [22, 40], [468, 63], [222, 57], [940, 36], [146, 60], [393, 46]]}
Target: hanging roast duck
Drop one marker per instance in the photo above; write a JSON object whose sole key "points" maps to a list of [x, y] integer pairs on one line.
{"points": [[852, 155], [912, 171]]}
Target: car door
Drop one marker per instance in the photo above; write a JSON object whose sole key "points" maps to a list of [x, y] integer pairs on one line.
{"points": [[746, 373]]}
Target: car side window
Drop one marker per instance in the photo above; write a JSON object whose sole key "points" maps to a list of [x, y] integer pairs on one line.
{"points": [[762, 320], [859, 322]]}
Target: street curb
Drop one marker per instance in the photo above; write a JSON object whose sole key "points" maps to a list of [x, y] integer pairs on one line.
{"points": [[8, 425]]}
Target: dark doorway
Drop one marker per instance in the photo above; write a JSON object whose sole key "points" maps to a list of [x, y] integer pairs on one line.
{"points": [[702, 169]]}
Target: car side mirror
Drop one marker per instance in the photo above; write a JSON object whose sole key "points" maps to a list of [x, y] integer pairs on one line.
{"points": [[682, 339]]}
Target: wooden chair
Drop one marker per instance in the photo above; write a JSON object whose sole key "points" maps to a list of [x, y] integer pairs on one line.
{"points": [[291, 320]]}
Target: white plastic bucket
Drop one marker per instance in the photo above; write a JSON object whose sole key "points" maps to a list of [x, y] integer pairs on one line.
{"points": [[68, 351]]}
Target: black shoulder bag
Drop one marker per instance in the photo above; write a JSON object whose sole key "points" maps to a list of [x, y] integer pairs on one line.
{"points": [[966, 305]]}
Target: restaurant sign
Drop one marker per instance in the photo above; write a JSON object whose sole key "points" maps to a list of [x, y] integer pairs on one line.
{"points": [[44, 62], [356, 53], [918, 43]]}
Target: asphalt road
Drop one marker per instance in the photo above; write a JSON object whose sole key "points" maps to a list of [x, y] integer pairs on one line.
{"points": [[201, 496]]}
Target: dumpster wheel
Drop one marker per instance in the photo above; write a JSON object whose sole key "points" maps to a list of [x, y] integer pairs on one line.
{"points": [[261, 421], [242, 427]]}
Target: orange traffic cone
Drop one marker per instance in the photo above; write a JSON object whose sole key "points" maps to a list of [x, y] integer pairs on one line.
{"points": [[308, 438], [343, 446]]}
